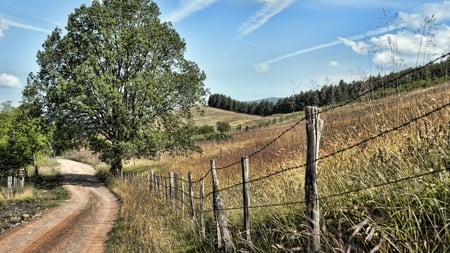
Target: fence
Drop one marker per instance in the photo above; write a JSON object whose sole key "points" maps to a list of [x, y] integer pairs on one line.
{"points": [[14, 181], [172, 187]]}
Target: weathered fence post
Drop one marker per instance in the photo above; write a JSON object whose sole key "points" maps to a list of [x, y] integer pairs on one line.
{"points": [[246, 199], [151, 181], [183, 196], [175, 192], [221, 219], [166, 187], [191, 202], [9, 191], [314, 127], [171, 187], [202, 213]]}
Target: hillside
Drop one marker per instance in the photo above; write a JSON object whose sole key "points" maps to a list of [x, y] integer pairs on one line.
{"points": [[210, 116]]}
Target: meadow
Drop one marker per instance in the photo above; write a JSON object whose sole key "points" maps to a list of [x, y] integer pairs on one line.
{"points": [[384, 192]]}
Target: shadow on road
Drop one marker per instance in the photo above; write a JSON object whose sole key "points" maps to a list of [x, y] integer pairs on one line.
{"points": [[81, 179]]}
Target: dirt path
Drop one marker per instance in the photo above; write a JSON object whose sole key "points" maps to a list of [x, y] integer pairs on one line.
{"points": [[81, 224]]}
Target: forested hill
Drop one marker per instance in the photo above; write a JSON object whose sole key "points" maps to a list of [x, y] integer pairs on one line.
{"points": [[332, 94]]}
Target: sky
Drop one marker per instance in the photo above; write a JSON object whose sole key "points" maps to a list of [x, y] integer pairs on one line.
{"points": [[254, 49]]}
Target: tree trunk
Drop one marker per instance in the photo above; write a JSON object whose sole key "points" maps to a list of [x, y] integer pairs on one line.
{"points": [[36, 168], [116, 165]]}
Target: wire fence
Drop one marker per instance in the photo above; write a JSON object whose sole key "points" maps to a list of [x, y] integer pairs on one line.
{"points": [[169, 186]]}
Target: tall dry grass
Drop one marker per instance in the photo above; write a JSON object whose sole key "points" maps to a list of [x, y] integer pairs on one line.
{"points": [[408, 216]]}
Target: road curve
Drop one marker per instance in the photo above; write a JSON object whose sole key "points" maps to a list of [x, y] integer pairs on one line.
{"points": [[80, 224]]}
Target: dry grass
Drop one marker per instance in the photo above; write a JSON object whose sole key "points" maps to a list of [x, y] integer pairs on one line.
{"points": [[411, 216]]}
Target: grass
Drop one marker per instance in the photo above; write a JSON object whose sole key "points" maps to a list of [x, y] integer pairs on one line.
{"points": [[409, 216]]}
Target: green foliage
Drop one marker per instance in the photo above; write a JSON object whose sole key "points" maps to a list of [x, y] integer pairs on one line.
{"points": [[21, 137], [118, 79], [223, 127]]}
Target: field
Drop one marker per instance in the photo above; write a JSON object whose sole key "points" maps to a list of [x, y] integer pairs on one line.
{"points": [[383, 183]]}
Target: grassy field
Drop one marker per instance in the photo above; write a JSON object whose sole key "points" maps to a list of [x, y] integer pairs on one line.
{"points": [[406, 216]]}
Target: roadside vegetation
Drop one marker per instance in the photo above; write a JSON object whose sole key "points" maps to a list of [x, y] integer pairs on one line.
{"points": [[38, 194]]}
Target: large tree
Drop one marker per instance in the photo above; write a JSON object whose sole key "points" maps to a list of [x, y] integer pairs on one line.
{"points": [[118, 78]]}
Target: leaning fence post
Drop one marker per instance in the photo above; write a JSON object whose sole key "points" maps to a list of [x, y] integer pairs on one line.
{"points": [[191, 201], [314, 127], [221, 219], [246, 199]]}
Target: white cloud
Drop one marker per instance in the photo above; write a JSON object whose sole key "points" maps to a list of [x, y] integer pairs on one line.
{"points": [[400, 44], [334, 64], [441, 11], [3, 28], [187, 8], [359, 47], [269, 9], [262, 68], [9, 81], [5, 23]]}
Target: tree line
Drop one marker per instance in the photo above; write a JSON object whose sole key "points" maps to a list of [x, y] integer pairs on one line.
{"points": [[341, 92]]}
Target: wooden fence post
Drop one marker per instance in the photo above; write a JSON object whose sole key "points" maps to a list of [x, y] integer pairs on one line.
{"points": [[10, 190], [221, 218], [151, 181], [171, 187], [191, 202], [202, 213], [246, 199], [314, 127], [175, 192], [183, 196]]}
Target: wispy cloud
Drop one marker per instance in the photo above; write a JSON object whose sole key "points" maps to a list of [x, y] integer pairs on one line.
{"points": [[187, 8], [9, 81], [269, 9], [334, 64], [263, 67], [6, 23], [408, 47]]}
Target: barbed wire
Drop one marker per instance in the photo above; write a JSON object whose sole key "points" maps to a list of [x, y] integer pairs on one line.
{"points": [[340, 193]]}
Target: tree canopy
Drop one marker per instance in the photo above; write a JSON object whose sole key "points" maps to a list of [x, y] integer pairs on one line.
{"points": [[21, 137], [118, 79]]}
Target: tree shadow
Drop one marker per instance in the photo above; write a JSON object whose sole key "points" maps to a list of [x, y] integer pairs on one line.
{"points": [[81, 179]]}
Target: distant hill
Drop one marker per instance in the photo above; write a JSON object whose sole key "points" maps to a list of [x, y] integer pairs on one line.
{"points": [[273, 100]]}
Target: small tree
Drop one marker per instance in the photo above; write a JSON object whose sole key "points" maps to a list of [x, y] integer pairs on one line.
{"points": [[21, 138], [223, 127]]}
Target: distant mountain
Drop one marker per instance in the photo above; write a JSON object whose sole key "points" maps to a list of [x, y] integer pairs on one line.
{"points": [[274, 100]]}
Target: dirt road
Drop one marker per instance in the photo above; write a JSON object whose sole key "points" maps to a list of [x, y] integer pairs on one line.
{"points": [[80, 224]]}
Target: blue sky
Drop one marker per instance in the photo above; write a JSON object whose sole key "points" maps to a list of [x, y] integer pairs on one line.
{"points": [[252, 49]]}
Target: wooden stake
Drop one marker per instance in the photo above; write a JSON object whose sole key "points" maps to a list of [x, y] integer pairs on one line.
{"points": [[224, 235], [314, 127]]}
